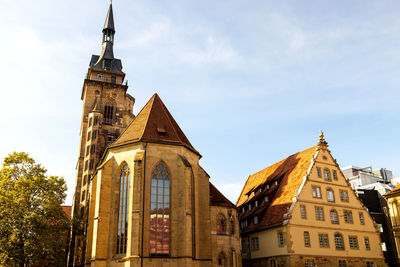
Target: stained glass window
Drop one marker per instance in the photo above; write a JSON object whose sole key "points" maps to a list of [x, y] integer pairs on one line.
{"points": [[123, 202], [159, 213]]}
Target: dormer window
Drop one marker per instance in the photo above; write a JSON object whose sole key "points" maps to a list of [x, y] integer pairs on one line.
{"points": [[243, 210], [256, 203], [266, 199], [249, 206], [255, 219]]}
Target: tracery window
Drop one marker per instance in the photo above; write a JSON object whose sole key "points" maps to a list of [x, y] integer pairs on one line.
{"points": [[123, 203], [159, 213], [221, 223]]}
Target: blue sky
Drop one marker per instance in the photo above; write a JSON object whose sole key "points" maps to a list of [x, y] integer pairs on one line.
{"points": [[248, 82]]}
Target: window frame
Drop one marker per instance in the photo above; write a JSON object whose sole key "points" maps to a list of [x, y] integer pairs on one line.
{"points": [[160, 209], [316, 191], [307, 240], [327, 174], [303, 211], [330, 198], [323, 240], [339, 241]]}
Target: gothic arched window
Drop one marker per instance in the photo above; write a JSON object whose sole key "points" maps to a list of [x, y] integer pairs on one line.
{"points": [[159, 210], [123, 203], [221, 223]]}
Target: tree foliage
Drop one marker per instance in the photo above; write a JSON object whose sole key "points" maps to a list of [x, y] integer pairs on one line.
{"points": [[33, 227]]}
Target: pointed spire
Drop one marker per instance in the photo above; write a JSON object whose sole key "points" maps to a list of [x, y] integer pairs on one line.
{"points": [[322, 143], [109, 23]]}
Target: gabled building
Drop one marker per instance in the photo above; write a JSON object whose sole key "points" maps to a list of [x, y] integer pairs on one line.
{"points": [[151, 203], [141, 197], [301, 211]]}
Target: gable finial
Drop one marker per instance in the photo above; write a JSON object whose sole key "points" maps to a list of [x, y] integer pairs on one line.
{"points": [[322, 143]]}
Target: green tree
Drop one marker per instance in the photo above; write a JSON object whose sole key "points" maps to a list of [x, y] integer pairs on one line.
{"points": [[33, 227]]}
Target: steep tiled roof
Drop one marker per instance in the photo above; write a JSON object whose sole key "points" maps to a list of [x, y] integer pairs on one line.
{"points": [[155, 124], [280, 183], [218, 199]]}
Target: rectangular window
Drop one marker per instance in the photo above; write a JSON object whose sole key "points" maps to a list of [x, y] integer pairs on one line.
{"points": [[280, 239], [255, 219], [96, 121], [256, 203], [344, 196], [327, 174], [86, 165], [94, 135], [370, 264], [334, 175], [316, 192], [367, 245], [91, 165], [89, 136], [92, 149], [353, 242], [323, 240], [83, 195], [272, 263], [383, 245], [307, 242], [319, 172], [380, 228], [309, 263], [330, 195], [362, 218], [348, 216], [342, 263], [254, 243], [90, 122], [244, 247], [87, 150], [84, 180], [319, 214], [249, 206], [266, 199], [303, 212]]}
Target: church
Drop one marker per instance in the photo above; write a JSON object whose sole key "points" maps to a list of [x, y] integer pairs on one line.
{"points": [[141, 197]]}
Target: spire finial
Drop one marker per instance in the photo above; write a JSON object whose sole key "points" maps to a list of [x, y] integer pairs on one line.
{"points": [[322, 143]]}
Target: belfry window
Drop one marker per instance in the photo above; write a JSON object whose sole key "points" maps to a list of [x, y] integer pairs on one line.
{"points": [[159, 213], [123, 203], [108, 113]]}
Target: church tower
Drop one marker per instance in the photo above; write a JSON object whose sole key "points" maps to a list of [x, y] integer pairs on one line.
{"points": [[107, 110]]}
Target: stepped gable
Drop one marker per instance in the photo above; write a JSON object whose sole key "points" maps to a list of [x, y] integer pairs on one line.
{"points": [[218, 199], [154, 124], [288, 175]]}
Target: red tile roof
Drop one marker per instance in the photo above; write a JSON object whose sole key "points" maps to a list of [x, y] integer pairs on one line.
{"points": [[394, 191], [218, 199], [154, 123], [280, 183]]}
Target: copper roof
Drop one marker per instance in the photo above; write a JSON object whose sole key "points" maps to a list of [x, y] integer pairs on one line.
{"points": [[218, 199], [155, 124], [280, 183]]}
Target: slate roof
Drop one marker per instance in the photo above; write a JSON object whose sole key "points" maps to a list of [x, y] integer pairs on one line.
{"points": [[280, 183], [109, 23], [218, 199], [154, 124]]}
